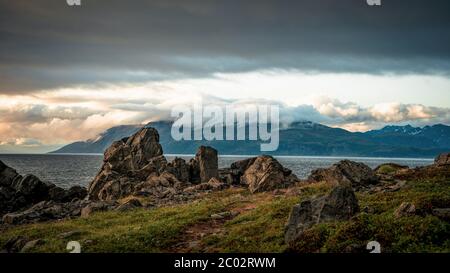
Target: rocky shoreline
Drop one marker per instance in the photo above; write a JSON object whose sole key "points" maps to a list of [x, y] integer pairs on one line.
{"points": [[135, 169]]}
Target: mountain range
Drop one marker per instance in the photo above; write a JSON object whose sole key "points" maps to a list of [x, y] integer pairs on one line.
{"points": [[300, 138]]}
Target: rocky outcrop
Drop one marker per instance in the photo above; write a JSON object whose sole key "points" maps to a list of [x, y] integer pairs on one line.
{"points": [[442, 160], [205, 165], [45, 211], [135, 166], [19, 192], [127, 162], [179, 168], [405, 209], [232, 175], [358, 175], [341, 204], [265, 173]]}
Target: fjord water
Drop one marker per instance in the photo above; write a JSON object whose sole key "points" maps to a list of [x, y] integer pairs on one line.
{"points": [[66, 170]]}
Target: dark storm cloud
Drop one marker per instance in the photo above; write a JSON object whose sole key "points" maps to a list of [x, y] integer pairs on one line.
{"points": [[47, 44]]}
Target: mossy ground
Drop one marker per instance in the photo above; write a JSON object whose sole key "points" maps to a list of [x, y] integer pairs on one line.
{"points": [[259, 226]]}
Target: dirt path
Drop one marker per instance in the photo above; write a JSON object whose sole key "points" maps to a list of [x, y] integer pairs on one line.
{"points": [[191, 239]]}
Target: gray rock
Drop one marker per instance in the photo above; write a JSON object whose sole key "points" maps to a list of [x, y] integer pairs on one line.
{"points": [[179, 168], [31, 245], [358, 175], [58, 194], [127, 162], [340, 204], [207, 163], [267, 174], [33, 189], [7, 175], [44, 211]]}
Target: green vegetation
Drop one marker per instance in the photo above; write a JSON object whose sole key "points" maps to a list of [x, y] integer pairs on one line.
{"points": [[259, 226]]}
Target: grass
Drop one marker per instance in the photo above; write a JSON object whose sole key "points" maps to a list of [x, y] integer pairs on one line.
{"points": [[260, 225]]}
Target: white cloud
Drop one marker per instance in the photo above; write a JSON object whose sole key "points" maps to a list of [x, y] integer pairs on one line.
{"points": [[67, 115]]}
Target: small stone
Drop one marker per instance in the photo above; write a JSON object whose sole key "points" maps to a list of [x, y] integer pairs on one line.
{"points": [[30, 245], [69, 234], [405, 209], [222, 215]]}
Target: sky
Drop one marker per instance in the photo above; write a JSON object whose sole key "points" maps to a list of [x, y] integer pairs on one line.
{"points": [[68, 73]]}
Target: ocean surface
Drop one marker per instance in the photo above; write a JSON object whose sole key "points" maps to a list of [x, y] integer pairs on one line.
{"points": [[66, 170]]}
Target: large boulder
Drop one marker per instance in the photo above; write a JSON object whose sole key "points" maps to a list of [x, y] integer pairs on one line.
{"points": [[7, 175], [358, 175], [442, 160], [126, 163], [265, 173], [341, 204], [205, 164], [232, 175], [33, 189], [19, 192]]}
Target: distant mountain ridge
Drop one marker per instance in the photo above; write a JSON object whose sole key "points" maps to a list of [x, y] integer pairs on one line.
{"points": [[300, 138]]}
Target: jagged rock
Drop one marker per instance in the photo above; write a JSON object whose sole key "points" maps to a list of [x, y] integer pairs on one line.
{"points": [[10, 200], [97, 207], [232, 175], [266, 174], [116, 189], [33, 189], [133, 203], [359, 175], [45, 211], [58, 194], [20, 192], [340, 204], [405, 209], [213, 184], [204, 165], [7, 175], [144, 146], [179, 168], [15, 244], [126, 163], [242, 165], [442, 159]]}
